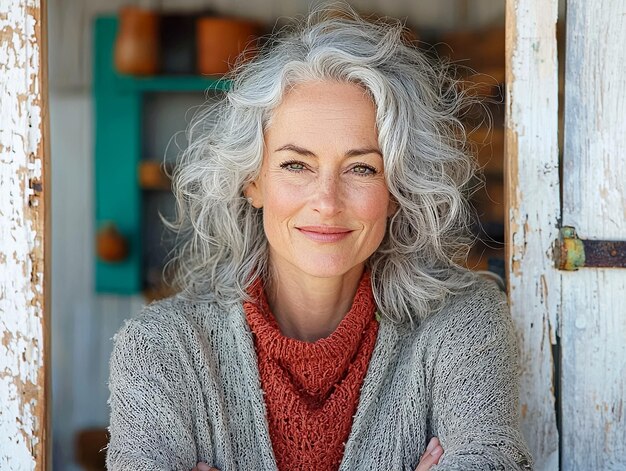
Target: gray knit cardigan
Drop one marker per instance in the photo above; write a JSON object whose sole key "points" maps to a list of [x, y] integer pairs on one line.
{"points": [[184, 387]]}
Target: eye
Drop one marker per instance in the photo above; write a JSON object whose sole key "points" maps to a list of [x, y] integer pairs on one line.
{"points": [[364, 169], [293, 166]]}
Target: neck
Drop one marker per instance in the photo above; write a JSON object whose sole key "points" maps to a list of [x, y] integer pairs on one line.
{"points": [[310, 308]]}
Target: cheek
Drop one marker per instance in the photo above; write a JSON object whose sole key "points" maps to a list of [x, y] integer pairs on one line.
{"points": [[372, 205], [281, 202]]}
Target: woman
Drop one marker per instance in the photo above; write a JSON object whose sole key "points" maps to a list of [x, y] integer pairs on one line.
{"points": [[323, 320]]}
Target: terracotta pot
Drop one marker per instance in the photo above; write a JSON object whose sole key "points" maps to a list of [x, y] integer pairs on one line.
{"points": [[110, 244], [137, 42], [153, 176], [221, 40], [88, 448]]}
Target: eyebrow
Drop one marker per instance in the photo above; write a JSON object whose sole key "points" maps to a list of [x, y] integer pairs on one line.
{"points": [[350, 153]]}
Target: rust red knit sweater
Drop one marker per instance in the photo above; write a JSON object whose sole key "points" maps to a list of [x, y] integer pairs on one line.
{"points": [[312, 389]]}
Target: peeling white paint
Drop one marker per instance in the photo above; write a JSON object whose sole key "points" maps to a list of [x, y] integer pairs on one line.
{"points": [[22, 385], [532, 179], [594, 202]]}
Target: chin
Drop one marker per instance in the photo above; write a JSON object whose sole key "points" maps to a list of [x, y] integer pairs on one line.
{"points": [[328, 268]]}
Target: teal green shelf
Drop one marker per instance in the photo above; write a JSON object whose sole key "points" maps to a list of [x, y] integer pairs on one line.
{"points": [[181, 83], [118, 107]]}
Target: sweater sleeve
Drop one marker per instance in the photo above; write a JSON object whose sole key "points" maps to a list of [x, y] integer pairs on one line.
{"points": [[475, 389], [150, 426]]}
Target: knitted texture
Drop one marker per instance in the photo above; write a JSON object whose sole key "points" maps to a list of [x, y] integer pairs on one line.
{"points": [[185, 387], [312, 389]]}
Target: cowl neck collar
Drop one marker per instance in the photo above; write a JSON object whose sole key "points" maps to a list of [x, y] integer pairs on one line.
{"points": [[314, 368]]}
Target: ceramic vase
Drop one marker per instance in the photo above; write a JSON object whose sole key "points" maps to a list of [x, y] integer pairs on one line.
{"points": [[221, 41], [137, 42]]}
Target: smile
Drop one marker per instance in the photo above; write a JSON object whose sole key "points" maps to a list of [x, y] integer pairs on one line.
{"points": [[324, 233]]}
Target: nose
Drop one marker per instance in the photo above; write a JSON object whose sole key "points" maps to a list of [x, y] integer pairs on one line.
{"points": [[328, 199]]}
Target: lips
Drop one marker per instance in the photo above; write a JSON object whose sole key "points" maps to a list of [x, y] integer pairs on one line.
{"points": [[325, 233]]}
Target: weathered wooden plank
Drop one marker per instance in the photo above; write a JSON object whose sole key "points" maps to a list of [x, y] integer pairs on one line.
{"points": [[24, 247], [532, 192], [594, 202]]}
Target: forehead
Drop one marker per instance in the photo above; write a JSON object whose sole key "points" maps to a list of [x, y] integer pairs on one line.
{"points": [[325, 110]]}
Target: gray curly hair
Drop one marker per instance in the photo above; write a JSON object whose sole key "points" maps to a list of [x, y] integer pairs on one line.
{"points": [[220, 245]]}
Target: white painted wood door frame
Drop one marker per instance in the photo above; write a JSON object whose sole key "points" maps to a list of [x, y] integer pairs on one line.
{"points": [[593, 301], [534, 209], [24, 238]]}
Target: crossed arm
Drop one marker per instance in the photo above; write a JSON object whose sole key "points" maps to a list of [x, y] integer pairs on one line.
{"points": [[475, 392], [430, 458]]}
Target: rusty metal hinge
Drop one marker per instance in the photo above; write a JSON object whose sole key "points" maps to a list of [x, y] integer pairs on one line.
{"points": [[572, 253]]}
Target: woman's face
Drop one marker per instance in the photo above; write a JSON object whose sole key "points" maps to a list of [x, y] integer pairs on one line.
{"points": [[321, 186]]}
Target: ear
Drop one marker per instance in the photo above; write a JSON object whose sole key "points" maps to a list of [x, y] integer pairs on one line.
{"points": [[392, 207], [253, 191]]}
